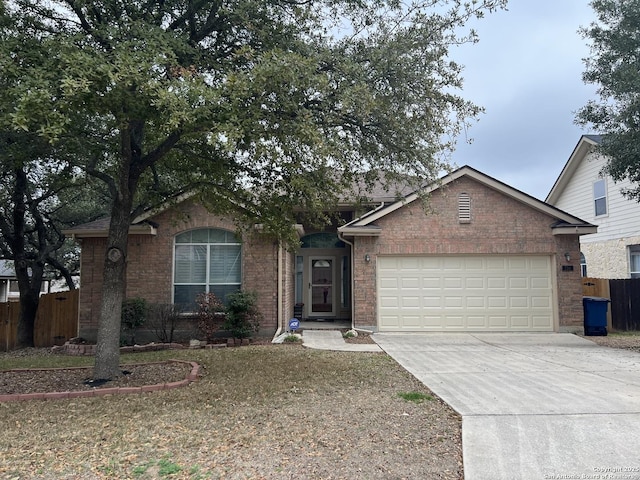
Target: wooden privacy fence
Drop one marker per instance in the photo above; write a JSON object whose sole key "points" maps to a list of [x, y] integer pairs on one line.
{"points": [[624, 309], [56, 320]]}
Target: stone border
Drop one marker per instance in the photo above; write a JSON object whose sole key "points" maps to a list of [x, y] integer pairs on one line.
{"points": [[192, 376], [89, 349]]}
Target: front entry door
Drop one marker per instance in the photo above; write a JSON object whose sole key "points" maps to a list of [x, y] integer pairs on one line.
{"points": [[321, 286]]}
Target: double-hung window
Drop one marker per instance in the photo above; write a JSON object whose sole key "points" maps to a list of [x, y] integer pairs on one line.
{"points": [[206, 261], [600, 197]]}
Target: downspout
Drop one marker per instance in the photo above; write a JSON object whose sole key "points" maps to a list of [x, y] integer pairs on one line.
{"points": [[353, 281], [353, 277], [353, 262], [280, 294]]}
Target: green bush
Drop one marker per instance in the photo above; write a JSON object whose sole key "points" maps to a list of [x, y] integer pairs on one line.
{"points": [[134, 312], [242, 315]]}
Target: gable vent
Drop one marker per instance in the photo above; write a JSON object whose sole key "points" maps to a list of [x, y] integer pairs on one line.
{"points": [[464, 208]]}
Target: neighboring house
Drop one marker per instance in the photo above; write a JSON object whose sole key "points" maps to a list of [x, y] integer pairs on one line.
{"points": [[8, 282], [483, 257], [9, 291], [581, 189]]}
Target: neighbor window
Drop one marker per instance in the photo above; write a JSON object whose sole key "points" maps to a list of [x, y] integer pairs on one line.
{"points": [[583, 265], [634, 261], [600, 197], [205, 261]]}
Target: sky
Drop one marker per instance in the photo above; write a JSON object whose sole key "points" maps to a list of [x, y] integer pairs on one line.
{"points": [[526, 71]]}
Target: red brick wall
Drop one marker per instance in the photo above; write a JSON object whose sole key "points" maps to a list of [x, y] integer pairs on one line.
{"points": [[499, 225], [150, 265]]}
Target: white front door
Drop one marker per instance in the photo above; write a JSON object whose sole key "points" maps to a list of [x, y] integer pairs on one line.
{"points": [[322, 286]]}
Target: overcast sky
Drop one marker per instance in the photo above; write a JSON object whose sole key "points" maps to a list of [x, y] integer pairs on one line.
{"points": [[526, 72]]}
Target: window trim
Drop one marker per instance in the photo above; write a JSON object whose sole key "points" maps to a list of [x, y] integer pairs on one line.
{"points": [[207, 281], [605, 196], [634, 251]]}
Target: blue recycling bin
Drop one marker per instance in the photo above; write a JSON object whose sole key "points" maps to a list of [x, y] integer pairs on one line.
{"points": [[595, 315]]}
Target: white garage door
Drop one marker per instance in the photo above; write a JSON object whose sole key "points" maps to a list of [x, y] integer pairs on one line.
{"points": [[460, 293]]}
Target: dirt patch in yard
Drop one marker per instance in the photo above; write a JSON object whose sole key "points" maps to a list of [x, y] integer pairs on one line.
{"points": [[257, 412], [624, 340]]}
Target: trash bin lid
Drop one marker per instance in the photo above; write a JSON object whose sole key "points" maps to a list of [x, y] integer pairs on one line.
{"points": [[595, 299]]}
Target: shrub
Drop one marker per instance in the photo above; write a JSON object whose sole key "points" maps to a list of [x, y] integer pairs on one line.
{"points": [[162, 319], [210, 314], [242, 315], [134, 311]]}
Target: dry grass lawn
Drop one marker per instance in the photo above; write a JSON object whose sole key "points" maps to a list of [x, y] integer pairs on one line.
{"points": [[259, 412]]}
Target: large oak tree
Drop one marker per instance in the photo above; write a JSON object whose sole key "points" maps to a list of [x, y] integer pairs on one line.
{"points": [[260, 105], [614, 66]]}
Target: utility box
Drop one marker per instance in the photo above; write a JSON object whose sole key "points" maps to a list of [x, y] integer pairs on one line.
{"points": [[595, 315]]}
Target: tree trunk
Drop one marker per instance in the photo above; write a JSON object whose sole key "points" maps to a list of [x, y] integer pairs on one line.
{"points": [[123, 190], [29, 285], [27, 319], [107, 362]]}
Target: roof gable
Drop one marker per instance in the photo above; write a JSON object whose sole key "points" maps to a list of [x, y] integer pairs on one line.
{"points": [[580, 152], [364, 225]]}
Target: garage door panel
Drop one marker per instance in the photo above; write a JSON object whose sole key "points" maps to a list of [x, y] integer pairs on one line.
{"points": [[432, 302], [520, 322], [541, 302], [542, 283], [518, 283], [542, 322], [498, 322], [431, 282], [452, 283], [474, 283], [453, 302], [519, 302], [463, 293], [496, 302], [496, 283], [476, 302], [477, 322], [454, 264]]}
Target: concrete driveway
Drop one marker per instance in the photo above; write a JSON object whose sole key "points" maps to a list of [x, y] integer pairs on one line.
{"points": [[533, 406]]}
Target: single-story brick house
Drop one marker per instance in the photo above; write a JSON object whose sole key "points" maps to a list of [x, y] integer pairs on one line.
{"points": [[482, 256]]}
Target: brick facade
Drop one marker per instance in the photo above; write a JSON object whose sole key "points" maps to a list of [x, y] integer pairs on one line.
{"points": [[499, 225], [150, 266]]}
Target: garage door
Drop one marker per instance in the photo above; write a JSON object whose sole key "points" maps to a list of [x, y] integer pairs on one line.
{"points": [[465, 293]]}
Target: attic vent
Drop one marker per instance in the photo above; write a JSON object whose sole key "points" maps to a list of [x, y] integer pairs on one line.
{"points": [[464, 208]]}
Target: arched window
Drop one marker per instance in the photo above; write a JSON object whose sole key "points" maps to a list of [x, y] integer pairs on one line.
{"points": [[206, 260], [583, 265], [322, 240]]}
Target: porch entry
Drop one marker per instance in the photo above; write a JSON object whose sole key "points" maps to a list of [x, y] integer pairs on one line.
{"points": [[323, 278], [321, 288]]}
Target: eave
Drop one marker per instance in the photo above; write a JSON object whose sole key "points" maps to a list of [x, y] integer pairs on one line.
{"points": [[139, 229]]}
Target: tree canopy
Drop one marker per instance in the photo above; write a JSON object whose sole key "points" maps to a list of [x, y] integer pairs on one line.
{"points": [[614, 66], [263, 106]]}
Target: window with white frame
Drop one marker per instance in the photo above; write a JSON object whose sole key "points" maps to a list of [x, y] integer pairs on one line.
{"points": [[600, 197], [206, 261], [583, 265], [634, 261]]}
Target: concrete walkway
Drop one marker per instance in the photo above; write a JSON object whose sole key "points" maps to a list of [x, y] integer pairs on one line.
{"points": [[332, 340], [533, 406]]}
